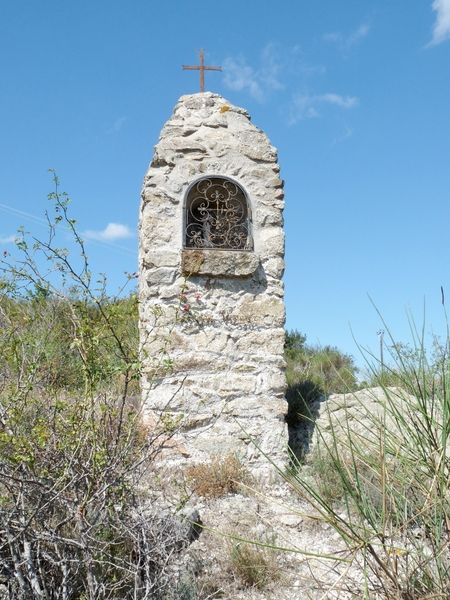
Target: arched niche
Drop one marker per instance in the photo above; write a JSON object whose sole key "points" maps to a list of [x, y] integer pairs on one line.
{"points": [[217, 216]]}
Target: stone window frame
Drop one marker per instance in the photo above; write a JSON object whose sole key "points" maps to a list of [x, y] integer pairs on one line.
{"points": [[250, 245]]}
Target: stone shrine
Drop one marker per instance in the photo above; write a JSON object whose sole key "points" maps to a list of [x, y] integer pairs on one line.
{"points": [[211, 292]]}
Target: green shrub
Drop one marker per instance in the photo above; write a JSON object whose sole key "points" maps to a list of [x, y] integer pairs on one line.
{"points": [[324, 367], [312, 373], [74, 523], [67, 342]]}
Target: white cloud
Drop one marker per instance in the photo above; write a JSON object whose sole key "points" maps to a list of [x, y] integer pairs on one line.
{"points": [[306, 106], [240, 76], [111, 233], [338, 100], [270, 69], [117, 125], [359, 34], [346, 42], [441, 28], [298, 63], [302, 108], [8, 239]]}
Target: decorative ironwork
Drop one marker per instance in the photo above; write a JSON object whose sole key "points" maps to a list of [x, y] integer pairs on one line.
{"points": [[217, 216]]}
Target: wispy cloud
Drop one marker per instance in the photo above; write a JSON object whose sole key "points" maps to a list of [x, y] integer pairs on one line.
{"points": [[111, 233], [258, 82], [338, 100], [299, 63], [307, 106], [271, 68], [345, 135], [241, 76], [8, 239], [117, 125], [346, 41], [441, 27]]}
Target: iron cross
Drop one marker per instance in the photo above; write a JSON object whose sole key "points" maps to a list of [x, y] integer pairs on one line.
{"points": [[202, 68]]}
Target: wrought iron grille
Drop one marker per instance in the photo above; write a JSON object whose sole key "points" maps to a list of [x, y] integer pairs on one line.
{"points": [[217, 216]]}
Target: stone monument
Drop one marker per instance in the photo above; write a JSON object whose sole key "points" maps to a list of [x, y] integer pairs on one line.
{"points": [[211, 292]]}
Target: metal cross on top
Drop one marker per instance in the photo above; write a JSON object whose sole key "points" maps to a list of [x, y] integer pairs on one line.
{"points": [[202, 68]]}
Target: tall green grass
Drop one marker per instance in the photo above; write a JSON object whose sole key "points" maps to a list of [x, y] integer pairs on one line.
{"points": [[380, 475]]}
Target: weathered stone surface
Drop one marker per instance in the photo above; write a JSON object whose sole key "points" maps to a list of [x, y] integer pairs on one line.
{"points": [[363, 414], [268, 310], [212, 321], [357, 411], [218, 263]]}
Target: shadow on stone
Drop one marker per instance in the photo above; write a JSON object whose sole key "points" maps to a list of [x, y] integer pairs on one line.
{"points": [[304, 399]]}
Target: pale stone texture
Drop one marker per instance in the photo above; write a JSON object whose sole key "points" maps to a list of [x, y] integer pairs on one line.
{"points": [[368, 412], [212, 321], [363, 413]]}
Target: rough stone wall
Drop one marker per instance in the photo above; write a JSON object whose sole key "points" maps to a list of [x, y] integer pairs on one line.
{"points": [[212, 321]]}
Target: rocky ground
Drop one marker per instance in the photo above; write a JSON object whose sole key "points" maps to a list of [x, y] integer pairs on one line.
{"points": [[281, 520], [290, 560], [294, 553]]}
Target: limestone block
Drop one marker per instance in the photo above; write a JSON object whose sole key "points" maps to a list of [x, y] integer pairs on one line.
{"points": [[219, 263], [272, 198], [265, 342], [240, 365], [271, 241], [219, 443], [194, 361], [268, 217], [161, 258], [159, 230], [216, 341], [169, 395], [256, 151], [254, 406], [274, 267], [273, 379], [159, 276], [197, 421], [274, 182], [268, 310], [220, 384], [152, 198]]}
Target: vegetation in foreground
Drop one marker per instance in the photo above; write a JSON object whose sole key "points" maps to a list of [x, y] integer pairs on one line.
{"points": [[74, 523], [384, 484], [219, 477]]}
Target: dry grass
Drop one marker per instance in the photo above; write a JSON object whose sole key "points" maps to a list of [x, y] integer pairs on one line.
{"points": [[219, 477], [253, 565]]}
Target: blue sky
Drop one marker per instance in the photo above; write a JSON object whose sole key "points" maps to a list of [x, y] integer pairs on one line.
{"points": [[355, 95]]}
